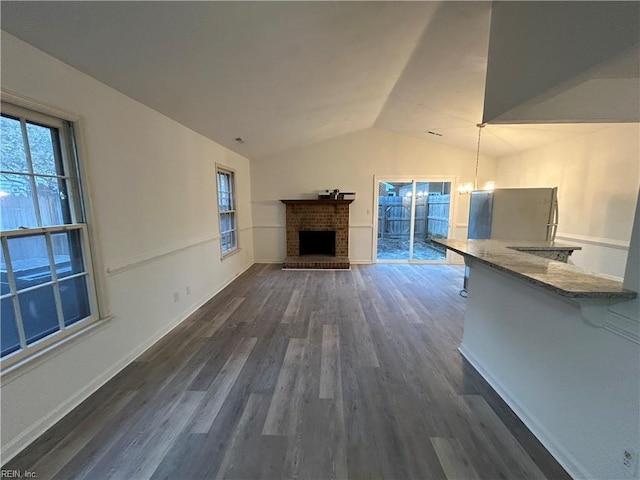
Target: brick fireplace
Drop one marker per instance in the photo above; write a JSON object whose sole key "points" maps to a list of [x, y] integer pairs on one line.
{"points": [[303, 218]]}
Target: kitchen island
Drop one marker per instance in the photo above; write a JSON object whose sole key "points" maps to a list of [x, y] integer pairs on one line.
{"points": [[547, 336], [524, 260]]}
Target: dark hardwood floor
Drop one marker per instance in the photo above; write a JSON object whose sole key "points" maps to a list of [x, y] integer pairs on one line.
{"points": [[302, 375]]}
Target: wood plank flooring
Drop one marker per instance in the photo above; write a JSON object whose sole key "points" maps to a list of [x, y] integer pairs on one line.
{"points": [[302, 375]]}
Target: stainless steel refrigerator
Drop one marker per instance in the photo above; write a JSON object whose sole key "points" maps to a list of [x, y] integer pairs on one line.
{"points": [[514, 214]]}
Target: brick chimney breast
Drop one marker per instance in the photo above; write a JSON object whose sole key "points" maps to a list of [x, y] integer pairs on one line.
{"points": [[318, 215]]}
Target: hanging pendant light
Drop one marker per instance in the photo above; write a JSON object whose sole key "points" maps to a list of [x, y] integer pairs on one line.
{"points": [[468, 187], [475, 180]]}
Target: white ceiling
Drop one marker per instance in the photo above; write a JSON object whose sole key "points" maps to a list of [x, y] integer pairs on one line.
{"points": [[284, 74]]}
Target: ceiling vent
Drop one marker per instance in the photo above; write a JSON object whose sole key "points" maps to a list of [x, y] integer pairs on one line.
{"points": [[239, 140]]}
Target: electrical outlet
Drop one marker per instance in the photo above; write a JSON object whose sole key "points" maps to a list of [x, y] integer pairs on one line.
{"points": [[630, 460], [176, 297], [188, 289]]}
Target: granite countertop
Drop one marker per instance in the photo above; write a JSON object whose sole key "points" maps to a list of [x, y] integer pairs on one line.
{"points": [[564, 279], [537, 246]]}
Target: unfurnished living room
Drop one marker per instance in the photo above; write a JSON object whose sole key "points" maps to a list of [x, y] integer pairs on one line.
{"points": [[320, 240]]}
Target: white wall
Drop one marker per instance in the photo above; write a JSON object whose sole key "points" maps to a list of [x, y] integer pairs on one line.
{"points": [[597, 176], [153, 196], [349, 162], [574, 385]]}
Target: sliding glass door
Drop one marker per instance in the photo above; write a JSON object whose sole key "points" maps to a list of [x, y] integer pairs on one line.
{"points": [[410, 214]]}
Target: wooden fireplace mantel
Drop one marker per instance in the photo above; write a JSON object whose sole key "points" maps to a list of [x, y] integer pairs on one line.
{"points": [[317, 201]]}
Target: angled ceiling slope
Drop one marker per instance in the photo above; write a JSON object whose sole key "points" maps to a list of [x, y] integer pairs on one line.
{"points": [[563, 62], [278, 74], [442, 86]]}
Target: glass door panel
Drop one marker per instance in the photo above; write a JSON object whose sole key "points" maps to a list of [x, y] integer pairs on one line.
{"points": [[394, 220], [432, 202]]}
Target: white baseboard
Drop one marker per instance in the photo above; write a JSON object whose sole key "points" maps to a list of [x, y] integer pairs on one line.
{"points": [[33, 432], [564, 458]]}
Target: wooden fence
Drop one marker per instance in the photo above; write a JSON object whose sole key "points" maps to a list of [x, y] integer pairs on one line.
{"points": [[431, 221], [19, 212], [438, 216]]}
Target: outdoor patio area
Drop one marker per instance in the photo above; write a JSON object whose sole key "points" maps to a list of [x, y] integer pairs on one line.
{"points": [[398, 249]]}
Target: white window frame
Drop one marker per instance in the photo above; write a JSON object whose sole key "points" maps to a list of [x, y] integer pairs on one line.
{"points": [[48, 116], [232, 212]]}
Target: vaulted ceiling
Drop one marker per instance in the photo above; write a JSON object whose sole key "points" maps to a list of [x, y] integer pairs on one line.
{"points": [[283, 74]]}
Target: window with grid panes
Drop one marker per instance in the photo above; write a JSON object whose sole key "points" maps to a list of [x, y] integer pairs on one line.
{"points": [[47, 282], [227, 211]]}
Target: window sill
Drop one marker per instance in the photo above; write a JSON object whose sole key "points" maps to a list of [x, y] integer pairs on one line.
{"points": [[229, 254], [21, 366]]}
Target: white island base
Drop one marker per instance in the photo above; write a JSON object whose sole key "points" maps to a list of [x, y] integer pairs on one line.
{"points": [[574, 385]]}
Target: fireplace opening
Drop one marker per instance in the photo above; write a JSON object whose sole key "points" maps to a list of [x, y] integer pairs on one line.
{"points": [[317, 242]]}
